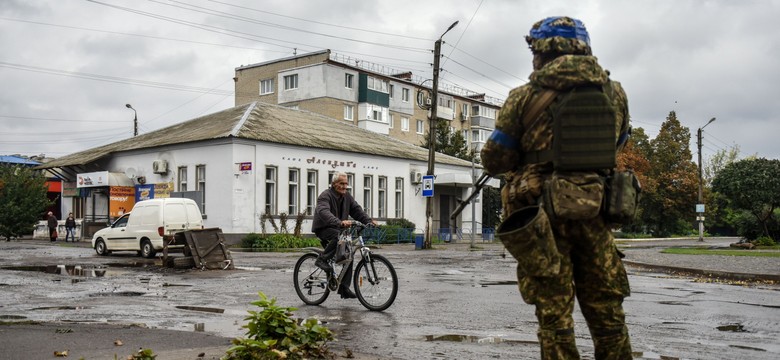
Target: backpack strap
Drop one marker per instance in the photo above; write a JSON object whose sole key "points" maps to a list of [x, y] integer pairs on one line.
{"points": [[535, 109]]}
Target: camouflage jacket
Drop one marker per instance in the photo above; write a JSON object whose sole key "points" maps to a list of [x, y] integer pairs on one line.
{"points": [[561, 74]]}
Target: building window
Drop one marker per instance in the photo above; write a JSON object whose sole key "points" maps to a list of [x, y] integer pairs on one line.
{"points": [[368, 193], [292, 194], [291, 82], [270, 190], [200, 185], [391, 120], [377, 84], [266, 86], [377, 115], [420, 127], [182, 178], [405, 94], [351, 182], [311, 191], [464, 110], [348, 79], [399, 198], [349, 112], [391, 90], [404, 123], [382, 197]]}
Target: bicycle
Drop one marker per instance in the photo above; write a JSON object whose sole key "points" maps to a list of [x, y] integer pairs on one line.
{"points": [[375, 281]]}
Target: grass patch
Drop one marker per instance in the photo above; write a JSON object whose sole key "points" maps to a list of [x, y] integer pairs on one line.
{"points": [[695, 251]]}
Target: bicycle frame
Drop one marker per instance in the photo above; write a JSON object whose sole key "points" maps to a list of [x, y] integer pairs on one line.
{"points": [[357, 244]]}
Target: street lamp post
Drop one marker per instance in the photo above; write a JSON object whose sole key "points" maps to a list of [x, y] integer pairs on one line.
{"points": [[135, 119], [700, 206], [432, 137]]}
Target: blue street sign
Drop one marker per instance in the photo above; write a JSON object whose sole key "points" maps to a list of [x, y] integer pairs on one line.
{"points": [[427, 186]]}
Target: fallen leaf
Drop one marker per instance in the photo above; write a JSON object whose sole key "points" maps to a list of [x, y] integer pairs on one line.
{"points": [[61, 353], [118, 342]]}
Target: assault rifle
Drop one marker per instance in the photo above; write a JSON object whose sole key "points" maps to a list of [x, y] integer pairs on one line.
{"points": [[477, 188]]}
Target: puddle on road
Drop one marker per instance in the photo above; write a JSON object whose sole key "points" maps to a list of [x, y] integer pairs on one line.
{"points": [[674, 303], [70, 270], [732, 328], [62, 308], [118, 293], [12, 317], [651, 355], [477, 339], [491, 283], [201, 308]]}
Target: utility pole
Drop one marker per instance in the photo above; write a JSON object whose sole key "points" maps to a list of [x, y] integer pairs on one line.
{"points": [[432, 137], [700, 205], [135, 119]]}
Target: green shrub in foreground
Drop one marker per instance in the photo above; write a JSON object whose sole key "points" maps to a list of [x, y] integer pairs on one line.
{"points": [[273, 334]]}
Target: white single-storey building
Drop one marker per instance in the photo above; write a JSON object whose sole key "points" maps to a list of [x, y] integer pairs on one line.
{"points": [[256, 159]]}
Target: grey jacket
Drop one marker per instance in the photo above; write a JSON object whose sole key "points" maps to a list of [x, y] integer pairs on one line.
{"points": [[328, 215]]}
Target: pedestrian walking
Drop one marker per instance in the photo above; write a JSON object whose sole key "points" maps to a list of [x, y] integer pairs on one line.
{"points": [[52, 223]]}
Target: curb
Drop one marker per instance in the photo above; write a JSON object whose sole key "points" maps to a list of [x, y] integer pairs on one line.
{"points": [[714, 274]]}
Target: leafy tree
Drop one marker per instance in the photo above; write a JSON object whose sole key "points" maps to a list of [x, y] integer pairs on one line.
{"points": [[449, 142], [721, 218], [22, 200], [673, 190], [752, 185]]}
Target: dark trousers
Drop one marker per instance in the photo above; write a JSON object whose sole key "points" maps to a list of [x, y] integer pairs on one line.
{"points": [[51, 233], [329, 238]]}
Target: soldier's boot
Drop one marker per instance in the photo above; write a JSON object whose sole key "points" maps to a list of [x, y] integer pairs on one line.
{"points": [[558, 344], [612, 343]]}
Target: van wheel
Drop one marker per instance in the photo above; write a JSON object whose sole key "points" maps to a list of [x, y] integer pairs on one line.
{"points": [[100, 248], [147, 250]]}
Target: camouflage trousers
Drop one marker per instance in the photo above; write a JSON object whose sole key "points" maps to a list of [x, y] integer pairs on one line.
{"points": [[592, 271]]}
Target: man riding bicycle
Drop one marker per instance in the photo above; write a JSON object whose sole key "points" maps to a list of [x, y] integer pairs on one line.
{"points": [[334, 206]]}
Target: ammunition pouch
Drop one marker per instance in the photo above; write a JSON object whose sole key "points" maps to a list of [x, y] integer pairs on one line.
{"points": [[622, 200], [528, 237], [573, 195]]}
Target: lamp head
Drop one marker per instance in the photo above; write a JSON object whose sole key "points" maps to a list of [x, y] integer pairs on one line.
{"points": [[129, 106]]}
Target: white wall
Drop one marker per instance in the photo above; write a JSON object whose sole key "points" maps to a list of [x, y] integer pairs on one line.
{"points": [[235, 200]]}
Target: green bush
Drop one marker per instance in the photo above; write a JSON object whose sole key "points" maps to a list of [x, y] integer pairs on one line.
{"points": [[764, 241], [273, 334], [277, 241], [401, 223]]}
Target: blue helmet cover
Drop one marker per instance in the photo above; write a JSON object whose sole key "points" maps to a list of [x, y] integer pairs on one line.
{"points": [[550, 27]]}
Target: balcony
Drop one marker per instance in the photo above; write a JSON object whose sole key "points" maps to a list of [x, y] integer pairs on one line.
{"points": [[483, 122]]}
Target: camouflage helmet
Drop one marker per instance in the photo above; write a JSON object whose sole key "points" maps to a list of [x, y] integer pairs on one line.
{"points": [[559, 34]]}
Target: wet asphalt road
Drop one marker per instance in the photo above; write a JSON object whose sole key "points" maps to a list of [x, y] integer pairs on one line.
{"points": [[452, 304]]}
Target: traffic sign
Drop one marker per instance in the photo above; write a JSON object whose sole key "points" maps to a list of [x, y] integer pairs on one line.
{"points": [[427, 186]]}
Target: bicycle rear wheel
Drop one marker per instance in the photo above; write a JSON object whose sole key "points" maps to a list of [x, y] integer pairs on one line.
{"points": [[375, 283], [311, 283]]}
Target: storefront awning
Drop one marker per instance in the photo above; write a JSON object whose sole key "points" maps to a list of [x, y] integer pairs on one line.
{"points": [[461, 179]]}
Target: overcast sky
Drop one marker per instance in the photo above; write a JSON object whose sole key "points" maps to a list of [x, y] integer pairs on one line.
{"points": [[68, 67]]}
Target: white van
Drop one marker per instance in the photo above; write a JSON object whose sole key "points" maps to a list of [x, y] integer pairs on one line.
{"points": [[146, 227]]}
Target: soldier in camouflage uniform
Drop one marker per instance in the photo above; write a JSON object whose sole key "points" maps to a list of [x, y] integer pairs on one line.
{"points": [[590, 264]]}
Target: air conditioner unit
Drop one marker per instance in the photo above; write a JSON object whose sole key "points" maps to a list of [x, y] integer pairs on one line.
{"points": [[463, 116], [160, 166], [416, 177]]}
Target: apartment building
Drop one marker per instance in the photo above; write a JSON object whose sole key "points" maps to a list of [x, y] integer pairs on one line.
{"points": [[371, 96]]}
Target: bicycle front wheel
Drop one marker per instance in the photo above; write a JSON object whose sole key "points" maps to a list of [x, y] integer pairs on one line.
{"points": [[311, 283], [376, 283]]}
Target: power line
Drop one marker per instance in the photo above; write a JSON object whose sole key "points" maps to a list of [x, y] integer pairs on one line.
{"points": [[57, 119], [321, 23], [269, 24], [114, 79], [139, 35]]}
